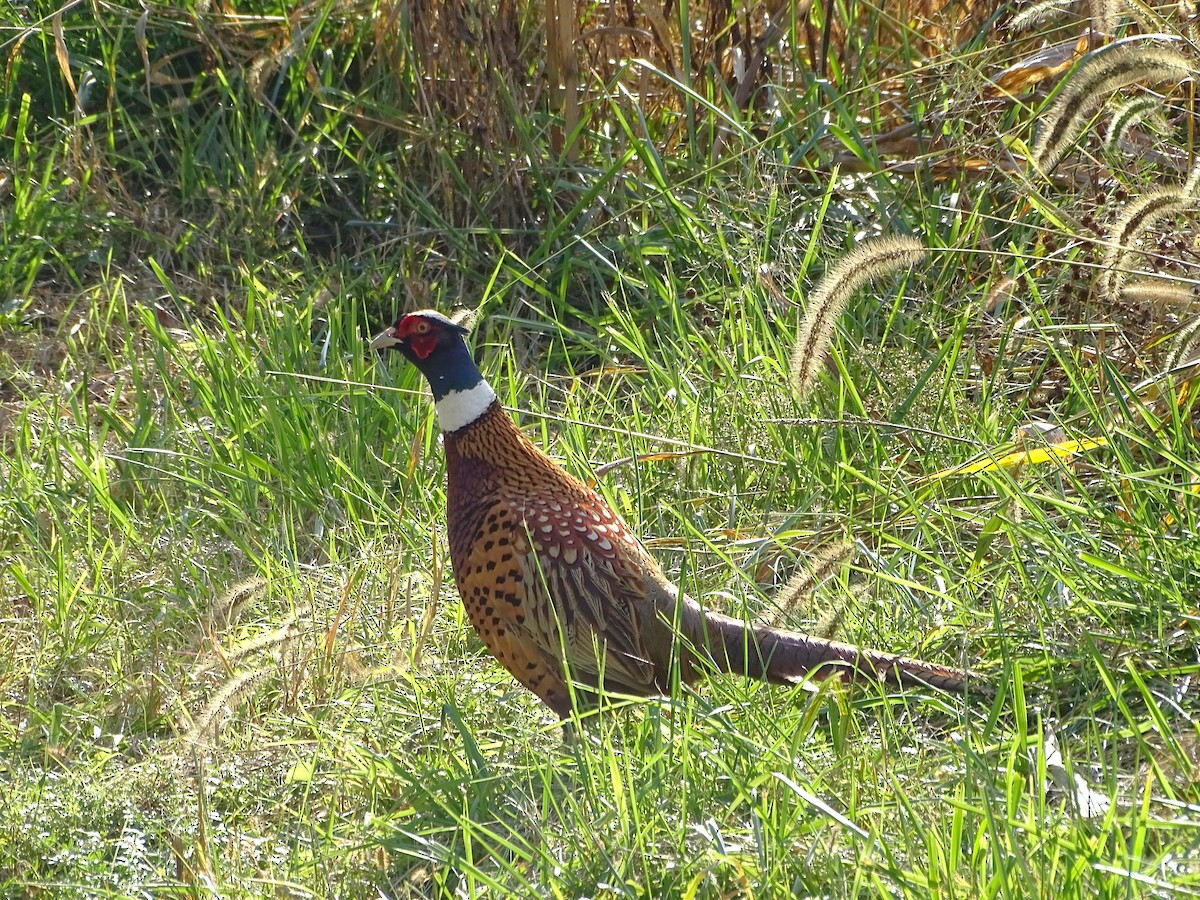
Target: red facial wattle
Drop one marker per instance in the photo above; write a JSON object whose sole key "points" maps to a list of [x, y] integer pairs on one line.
{"points": [[423, 344], [420, 336]]}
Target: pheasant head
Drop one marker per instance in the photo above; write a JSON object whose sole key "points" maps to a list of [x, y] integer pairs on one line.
{"points": [[437, 347]]}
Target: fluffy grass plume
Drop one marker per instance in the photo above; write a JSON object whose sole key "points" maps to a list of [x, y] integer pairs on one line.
{"points": [[826, 562], [1192, 185], [1160, 292], [1038, 14], [222, 706], [1105, 15], [1185, 348], [868, 261], [267, 641], [1093, 82], [1131, 113], [1135, 219]]}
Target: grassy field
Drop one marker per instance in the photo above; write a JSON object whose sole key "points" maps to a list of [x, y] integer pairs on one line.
{"points": [[233, 660]]}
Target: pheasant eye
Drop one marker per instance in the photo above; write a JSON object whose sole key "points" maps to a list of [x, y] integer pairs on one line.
{"points": [[422, 328]]}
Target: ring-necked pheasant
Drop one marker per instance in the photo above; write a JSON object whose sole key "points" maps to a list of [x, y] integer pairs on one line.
{"points": [[548, 571]]}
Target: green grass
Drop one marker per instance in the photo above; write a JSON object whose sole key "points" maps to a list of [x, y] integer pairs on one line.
{"points": [[233, 658]]}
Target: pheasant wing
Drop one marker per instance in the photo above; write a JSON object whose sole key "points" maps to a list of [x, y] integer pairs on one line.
{"points": [[586, 580]]}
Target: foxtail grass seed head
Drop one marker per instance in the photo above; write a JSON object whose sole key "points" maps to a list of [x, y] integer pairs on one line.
{"points": [[1130, 114], [1160, 292], [1104, 15], [868, 261], [1189, 13], [1038, 14], [1135, 219], [1087, 89], [829, 625], [1192, 185], [289, 630], [1001, 292], [826, 562], [239, 598], [1185, 348], [222, 705]]}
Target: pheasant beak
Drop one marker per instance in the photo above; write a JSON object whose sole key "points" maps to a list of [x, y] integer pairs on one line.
{"points": [[385, 339]]}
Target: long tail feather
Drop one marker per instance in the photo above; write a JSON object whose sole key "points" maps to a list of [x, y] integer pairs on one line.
{"points": [[787, 657]]}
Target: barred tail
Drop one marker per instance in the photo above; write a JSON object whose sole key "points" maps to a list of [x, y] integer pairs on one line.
{"points": [[787, 657]]}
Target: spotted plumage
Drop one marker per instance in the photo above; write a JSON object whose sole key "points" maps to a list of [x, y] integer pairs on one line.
{"points": [[556, 584]]}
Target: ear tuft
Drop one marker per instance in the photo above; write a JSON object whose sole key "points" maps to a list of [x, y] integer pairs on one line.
{"points": [[464, 319]]}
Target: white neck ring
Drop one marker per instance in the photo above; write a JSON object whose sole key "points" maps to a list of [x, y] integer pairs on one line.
{"points": [[459, 409]]}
